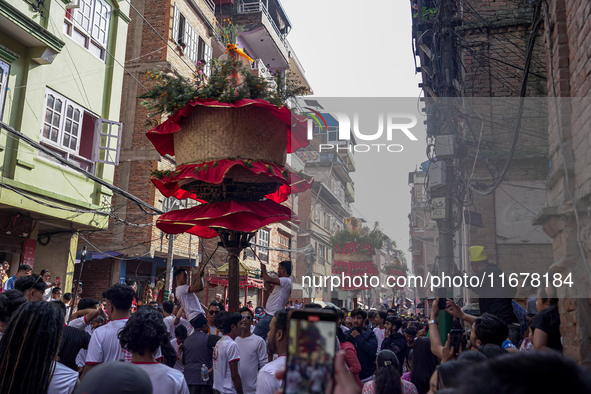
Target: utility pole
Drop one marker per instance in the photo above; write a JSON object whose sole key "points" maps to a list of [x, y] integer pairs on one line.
{"points": [[445, 141], [168, 277]]}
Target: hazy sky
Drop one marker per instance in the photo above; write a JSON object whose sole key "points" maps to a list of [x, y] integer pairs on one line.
{"points": [[363, 49]]}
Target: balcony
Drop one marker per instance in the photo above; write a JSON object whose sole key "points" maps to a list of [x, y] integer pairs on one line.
{"points": [[264, 34], [350, 191], [259, 69], [348, 159]]}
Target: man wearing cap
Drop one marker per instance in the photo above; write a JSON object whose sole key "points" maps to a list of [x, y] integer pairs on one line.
{"points": [[492, 296]]}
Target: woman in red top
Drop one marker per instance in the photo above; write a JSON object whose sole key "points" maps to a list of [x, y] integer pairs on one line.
{"points": [[350, 355]]}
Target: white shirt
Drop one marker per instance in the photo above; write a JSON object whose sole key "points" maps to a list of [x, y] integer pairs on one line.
{"points": [[63, 380], [169, 323], [225, 351], [81, 324], [190, 302], [179, 364], [213, 330], [279, 296], [379, 336], [165, 379], [266, 381], [104, 344], [253, 356]]}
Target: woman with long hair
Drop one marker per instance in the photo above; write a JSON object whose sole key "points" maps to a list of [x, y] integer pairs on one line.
{"points": [[28, 352], [422, 365], [387, 378]]}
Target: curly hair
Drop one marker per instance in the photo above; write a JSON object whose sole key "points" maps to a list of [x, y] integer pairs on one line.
{"points": [[121, 296], [29, 348], [144, 331]]}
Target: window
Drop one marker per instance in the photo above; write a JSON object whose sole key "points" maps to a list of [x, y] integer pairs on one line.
{"points": [[263, 249], [194, 47], [78, 135], [88, 25], [333, 136], [4, 69], [284, 243]]}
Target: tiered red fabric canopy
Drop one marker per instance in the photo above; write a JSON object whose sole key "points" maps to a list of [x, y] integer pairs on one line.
{"points": [[247, 216], [348, 268], [215, 172], [162, 135], [233, 215]]}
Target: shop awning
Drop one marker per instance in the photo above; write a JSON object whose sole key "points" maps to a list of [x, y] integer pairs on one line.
{"points": [[223, 281], [97, 255]]}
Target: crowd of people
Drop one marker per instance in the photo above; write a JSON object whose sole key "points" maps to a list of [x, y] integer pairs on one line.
{"points": [[48, 345]]}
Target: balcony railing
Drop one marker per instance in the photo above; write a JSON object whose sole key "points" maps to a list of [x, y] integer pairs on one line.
{"points": [[255, 7], [260, 70]]}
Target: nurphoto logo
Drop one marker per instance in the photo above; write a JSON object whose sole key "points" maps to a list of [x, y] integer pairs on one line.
{"points": [[390, 125]]}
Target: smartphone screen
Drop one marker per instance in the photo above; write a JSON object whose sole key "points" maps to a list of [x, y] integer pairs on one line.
{"points": [[311, 351]]}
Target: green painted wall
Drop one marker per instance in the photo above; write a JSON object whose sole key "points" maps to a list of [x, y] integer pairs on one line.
{"points": [[79, 76]]}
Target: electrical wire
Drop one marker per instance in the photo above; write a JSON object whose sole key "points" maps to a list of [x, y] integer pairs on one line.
{"points": [[534, 32]]}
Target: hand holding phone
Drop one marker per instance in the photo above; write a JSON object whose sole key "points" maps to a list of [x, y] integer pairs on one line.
{"points": [[311, 351]]}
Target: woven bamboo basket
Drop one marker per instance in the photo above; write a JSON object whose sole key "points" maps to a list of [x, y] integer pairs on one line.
{"points": [[249, 132]]}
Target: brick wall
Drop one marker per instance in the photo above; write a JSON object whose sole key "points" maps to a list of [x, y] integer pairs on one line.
{"points": [[96, 277], [569, 37]]}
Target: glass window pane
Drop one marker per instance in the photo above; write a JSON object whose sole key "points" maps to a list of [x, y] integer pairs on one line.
{"points": [[66, 141], [46, 130], [69, 111], [50, 101], [56, 119], [77, 115], [68, 125], [75, 130], [73, 143], [58, 105], [48, 114], [53, 136]]}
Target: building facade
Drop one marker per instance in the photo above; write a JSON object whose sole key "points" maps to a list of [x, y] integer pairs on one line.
{"points": [[60, 97]]}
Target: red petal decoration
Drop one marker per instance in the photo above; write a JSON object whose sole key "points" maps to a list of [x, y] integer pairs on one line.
{"points": [[297, 133], [232, 215], [215, 172], [352, 269]]}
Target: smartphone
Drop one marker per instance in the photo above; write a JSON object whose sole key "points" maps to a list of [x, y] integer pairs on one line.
{"points": [[455, 336], [442, 294], [311, 351]]}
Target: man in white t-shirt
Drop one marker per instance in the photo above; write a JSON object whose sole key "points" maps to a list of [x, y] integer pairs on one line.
{"points": [[187, 297], [167, 311], [267, 383], [380, 329], [280, 290], [226, 356], [141, 337], [253, 352], [104, 344]]}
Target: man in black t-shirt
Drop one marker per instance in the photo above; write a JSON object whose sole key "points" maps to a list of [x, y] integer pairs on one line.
{"points": [[493, 297]]}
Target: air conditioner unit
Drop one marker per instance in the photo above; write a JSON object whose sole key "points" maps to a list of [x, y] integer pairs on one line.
{"points": [[73, 4]]}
